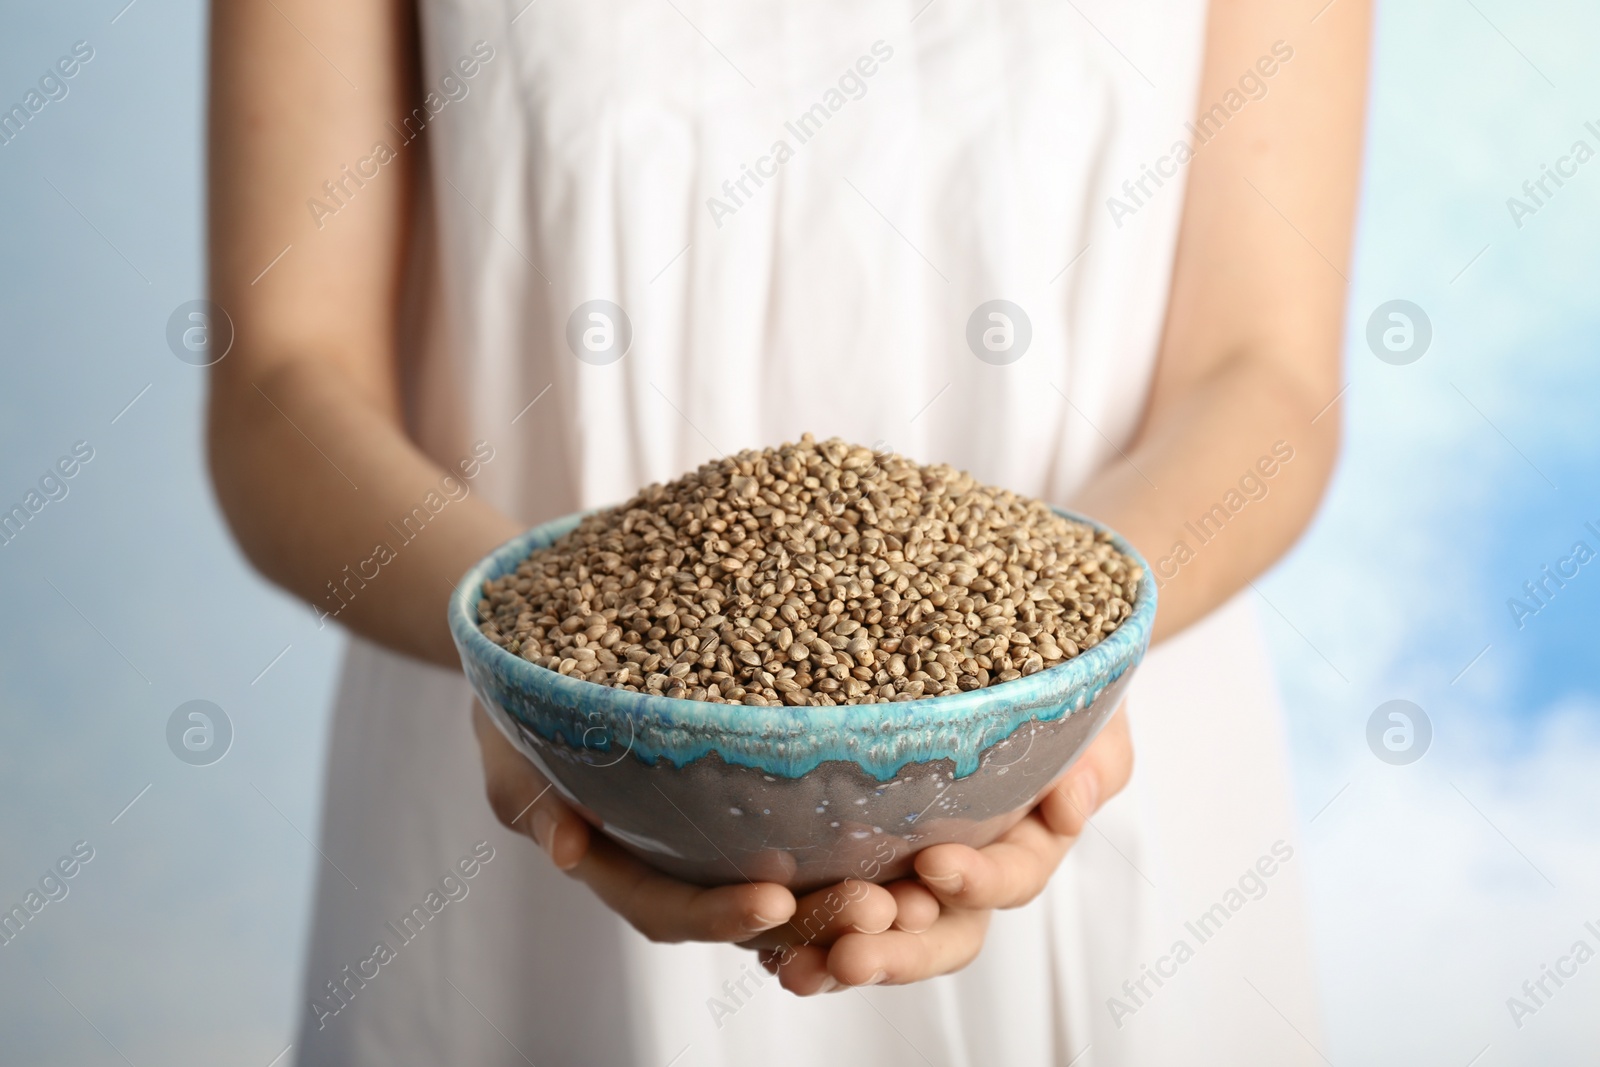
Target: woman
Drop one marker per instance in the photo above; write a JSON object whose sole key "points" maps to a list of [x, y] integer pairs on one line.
{"points": [[797, 219]]}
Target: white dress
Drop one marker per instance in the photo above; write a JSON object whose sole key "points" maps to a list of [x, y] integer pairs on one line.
{"points": [[938, 157]]}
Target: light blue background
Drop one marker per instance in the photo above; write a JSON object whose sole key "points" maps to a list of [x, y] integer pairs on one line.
{"points": [[1437, 888]]}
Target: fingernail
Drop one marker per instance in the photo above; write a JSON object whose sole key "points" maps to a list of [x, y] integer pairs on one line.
{"points": [[829, 984], [754, 923], [545, 826], [1085, 793], [544, 831], [920, 928], [877, 977], [949, 883]]}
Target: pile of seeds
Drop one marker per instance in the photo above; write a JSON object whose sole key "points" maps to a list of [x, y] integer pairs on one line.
{"points": [[813, 573]]}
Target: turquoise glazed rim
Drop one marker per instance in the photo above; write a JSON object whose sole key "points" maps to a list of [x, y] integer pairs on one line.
{"points": [[785, 741]]}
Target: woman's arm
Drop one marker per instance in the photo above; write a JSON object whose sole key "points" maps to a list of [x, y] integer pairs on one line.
{"points": [[1249, 358], [1250, 354], [308, 453]]}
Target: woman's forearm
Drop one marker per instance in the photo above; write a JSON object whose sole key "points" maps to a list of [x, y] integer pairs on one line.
{"points": [[329, 499], [1217, 487]]}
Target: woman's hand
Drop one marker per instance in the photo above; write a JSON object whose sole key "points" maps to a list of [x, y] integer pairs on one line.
{"points": [[943, 914], [660, 907], [900, 933]]}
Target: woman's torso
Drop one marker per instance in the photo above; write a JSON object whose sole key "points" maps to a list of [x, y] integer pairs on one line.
{"points": [[918, 161]]}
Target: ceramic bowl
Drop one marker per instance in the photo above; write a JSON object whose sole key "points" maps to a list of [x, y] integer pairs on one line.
{"points": [[802, 796]]}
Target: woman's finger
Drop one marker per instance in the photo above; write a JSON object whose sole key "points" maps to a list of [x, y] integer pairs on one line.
{"points": [[802, 970], [1015, 868], [916, 908], [1097, 776], [822, 916], [664, 909], [896, 957], [1005, 874], [523, 800]]}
